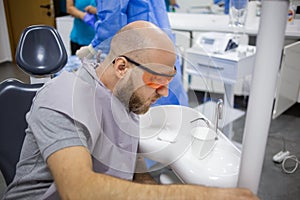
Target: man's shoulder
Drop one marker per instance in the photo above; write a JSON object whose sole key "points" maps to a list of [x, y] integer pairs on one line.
{"points": [[66, 93], [58, 92]]}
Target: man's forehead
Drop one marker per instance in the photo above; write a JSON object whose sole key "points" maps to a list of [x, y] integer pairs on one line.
{"points": [[141, 39]]}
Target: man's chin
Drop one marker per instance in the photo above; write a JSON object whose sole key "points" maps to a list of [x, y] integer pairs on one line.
{"points": [[141, 110]]}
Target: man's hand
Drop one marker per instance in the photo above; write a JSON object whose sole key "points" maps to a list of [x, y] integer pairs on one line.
{"points": [[86, 52]]}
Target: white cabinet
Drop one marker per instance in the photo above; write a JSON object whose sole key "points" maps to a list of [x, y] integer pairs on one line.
{"points": [[228, 67], [288, 84]]}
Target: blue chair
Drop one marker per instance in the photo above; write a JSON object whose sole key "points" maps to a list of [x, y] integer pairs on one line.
{"points": [[40, 52]]}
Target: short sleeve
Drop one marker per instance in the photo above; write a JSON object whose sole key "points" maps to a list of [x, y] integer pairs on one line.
{"points": [[54, 131]]}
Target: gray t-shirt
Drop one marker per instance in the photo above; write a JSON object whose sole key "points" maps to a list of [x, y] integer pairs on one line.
{"points": [[108, 131], [33, 177]]}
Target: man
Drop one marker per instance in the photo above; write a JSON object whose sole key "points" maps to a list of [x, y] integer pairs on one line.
{"points": [[82, 135], [114, 14]]}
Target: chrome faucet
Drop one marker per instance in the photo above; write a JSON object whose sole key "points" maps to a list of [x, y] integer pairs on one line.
{"points": [[218, 114]]}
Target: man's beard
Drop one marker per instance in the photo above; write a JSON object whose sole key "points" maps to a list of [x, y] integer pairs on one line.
{"points": [[129, 97], [133, 101], [137, 105]]}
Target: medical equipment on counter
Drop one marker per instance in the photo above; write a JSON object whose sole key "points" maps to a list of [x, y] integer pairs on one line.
{"points": [[214, 42], [227, 66]]}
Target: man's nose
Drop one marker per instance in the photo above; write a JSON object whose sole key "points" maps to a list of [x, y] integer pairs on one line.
{"points": [[163, 91]]}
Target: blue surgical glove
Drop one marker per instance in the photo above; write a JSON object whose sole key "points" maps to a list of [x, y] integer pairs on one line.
{"points": [[89, 19]]}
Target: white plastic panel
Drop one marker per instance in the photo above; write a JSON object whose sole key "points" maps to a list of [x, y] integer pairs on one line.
{"points": [[64, 26], [288, 84]]}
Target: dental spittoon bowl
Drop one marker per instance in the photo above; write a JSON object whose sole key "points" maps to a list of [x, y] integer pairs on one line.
{"points": [[166, 136]]}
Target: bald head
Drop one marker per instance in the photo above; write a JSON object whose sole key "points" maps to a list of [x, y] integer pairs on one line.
{"points": [[142, 40]]}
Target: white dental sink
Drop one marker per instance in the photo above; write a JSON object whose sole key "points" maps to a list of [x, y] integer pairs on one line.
{"points": [[165, 137]]}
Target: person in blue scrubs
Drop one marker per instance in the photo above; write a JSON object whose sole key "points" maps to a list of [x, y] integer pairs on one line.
{"points": [[84, 13], [114, 14], [169, 4]]}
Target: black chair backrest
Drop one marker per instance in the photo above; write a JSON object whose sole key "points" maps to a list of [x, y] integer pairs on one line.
{"points": [[41, 51], [15, 101]]}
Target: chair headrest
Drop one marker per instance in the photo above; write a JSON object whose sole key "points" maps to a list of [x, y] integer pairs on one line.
{"points": [[41, 51]]}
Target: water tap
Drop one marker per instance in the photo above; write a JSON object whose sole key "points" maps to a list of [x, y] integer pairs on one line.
{"points": [[218, 114]]}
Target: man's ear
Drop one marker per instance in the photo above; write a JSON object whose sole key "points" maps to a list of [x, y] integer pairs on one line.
{"points": [[121, 67]]}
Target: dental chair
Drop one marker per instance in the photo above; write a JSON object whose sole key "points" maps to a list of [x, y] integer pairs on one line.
{"points": [[40, 53]]}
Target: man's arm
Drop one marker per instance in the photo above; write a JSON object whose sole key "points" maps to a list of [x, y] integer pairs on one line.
{"points": [[74, 178]]}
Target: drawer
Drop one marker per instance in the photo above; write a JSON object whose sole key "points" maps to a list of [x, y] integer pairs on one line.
{"points": [[210, 67]]}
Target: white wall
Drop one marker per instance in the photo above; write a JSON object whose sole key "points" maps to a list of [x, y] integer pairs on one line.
{"points": [[5, 53], [64, 26]]}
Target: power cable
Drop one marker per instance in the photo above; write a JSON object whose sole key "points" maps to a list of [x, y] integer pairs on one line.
{"points": [[289, 163], [291, 158]]}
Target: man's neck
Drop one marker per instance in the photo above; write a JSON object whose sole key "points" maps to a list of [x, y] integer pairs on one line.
{"points": [[105, 73]]}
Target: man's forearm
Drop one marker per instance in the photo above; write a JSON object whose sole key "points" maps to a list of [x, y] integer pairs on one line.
{"points": [[107, 187], [75, 179]]}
